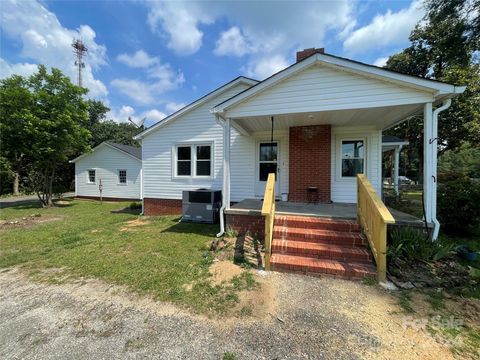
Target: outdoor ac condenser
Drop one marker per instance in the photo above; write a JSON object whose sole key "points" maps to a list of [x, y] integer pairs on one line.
{"points": [[201, 205]]}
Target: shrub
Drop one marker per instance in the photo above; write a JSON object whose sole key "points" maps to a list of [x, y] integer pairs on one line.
{"points": [[135, 205], [459, 205], [411, 244]]}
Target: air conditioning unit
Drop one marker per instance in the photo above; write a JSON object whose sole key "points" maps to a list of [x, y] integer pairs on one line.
{"points": [[201, 205]]}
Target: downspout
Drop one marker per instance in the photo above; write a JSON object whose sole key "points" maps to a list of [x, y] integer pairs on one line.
{"points": [[141, 182], [226, 142], [436, 224]]}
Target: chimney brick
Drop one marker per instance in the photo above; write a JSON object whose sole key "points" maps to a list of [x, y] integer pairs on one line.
{"points": [[303, 54]]}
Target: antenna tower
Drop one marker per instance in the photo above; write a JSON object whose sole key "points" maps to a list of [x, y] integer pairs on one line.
{"points": [[80, 50]]}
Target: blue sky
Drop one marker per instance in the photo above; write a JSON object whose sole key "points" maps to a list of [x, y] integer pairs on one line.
{"points": [[149, 58]]}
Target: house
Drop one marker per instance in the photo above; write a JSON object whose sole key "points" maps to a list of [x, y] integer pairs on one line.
{"points": [[116, 167], [315, 125]]}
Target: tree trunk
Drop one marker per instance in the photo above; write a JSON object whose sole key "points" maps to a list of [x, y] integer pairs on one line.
{"points": [[16, 182], [50, 188]]}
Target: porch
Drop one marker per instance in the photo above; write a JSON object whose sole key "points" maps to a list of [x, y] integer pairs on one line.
{"points": [[345, 211]]}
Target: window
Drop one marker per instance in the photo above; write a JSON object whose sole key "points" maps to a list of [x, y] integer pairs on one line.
{"points": [[91, 176], [122, 176], [267, 160], [194, 160], [352, 157]]}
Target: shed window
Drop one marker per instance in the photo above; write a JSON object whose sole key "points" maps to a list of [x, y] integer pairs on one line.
{"points": [[352, 157], [194, 160], [91, 176], [122, 176]]}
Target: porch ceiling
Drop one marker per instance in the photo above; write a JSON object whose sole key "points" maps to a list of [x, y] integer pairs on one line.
{"points": [[380, 117]]}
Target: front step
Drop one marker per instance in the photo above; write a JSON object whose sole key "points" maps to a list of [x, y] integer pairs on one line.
{"points": [[316, 246], [312, 266], [318, 250]]}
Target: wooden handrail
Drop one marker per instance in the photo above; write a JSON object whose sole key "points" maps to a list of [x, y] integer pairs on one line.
{"points": [[268, 210], [373, 217]]}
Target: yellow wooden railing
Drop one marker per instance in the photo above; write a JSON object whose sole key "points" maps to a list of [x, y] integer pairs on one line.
{"points": [[373, 216], [268, 210]]}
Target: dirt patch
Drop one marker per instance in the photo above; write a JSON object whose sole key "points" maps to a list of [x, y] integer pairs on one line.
{"points": [[134, 223], [28, 221], [224, 271]]}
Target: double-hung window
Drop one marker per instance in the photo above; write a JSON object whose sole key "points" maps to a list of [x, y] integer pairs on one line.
{"points": [[193, 160], [122, 176], [353, 157], [91, 176]]}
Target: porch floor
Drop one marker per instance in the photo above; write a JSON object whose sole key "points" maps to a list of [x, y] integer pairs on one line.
{"points": [[333, 210]]}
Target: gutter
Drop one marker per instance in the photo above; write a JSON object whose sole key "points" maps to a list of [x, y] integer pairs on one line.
{"points": [[445, 105]]}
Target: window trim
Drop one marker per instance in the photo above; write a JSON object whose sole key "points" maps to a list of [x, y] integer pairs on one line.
{"points": [[193, 151], [118, 177], [339, 158], [88, 177]]}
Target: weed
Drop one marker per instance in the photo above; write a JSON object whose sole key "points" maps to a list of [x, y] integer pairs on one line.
{"points": [[404, 300], [229, 356], [436, 300], [369, 281], [231, 233]]}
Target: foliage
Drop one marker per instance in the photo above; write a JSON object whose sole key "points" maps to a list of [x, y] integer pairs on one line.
{"points": [[464, 160], [122, 133], [410, 244], [459, 205]]}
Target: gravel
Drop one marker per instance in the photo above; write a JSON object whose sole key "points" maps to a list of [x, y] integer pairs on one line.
{"points": [[312, 319]]}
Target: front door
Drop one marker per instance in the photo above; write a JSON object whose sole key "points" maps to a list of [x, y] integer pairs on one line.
{"points": [[267, 162]]}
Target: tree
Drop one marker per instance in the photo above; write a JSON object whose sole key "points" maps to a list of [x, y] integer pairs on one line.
{"points": [[443, 46], [16, 102], [97, 112], [58, 131]]}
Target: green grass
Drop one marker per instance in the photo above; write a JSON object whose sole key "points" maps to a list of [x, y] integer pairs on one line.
{"points": [[405, 302], [164, 258]]}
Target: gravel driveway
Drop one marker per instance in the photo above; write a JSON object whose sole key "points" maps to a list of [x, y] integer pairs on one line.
{"points": [[307, 318]]}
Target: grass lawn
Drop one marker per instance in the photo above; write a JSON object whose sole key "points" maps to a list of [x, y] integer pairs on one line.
{"points": [[158, 256]]}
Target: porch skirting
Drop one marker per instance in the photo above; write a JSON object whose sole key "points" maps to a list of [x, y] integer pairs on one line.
{"points": [[254, 224], [154, 206]]}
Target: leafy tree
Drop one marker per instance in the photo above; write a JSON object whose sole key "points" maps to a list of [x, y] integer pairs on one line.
{"points": [[97, 112], [109, 130], [58, 131], [16, 102], [464, 160]]}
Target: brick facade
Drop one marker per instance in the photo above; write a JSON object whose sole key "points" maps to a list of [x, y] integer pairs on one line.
{"points": [[162, 206], [309, 163], [254, 224]]}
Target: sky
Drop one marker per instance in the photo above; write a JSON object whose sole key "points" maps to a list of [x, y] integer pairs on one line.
{"points": [[147, 59]]}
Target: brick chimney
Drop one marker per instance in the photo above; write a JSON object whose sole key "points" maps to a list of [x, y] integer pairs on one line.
{"points": [[303, 54]]}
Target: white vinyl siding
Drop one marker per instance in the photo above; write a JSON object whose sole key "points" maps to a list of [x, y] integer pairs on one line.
{"points": [[344, 189], [108, 163], [320, 88], [197, 126]]}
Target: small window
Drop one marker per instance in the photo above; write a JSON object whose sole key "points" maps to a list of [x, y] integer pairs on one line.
{"points": [[203, 161], [91, 176], [352, 158], [122, 176], [184, 161]]}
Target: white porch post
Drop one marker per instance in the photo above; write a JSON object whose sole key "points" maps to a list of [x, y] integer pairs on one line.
{"points": [[427, 161], [396, 167], [226, 164]]}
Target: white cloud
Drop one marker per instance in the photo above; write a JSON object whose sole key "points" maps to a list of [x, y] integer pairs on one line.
{"points": [[125, 112], [178, 22], [264, 67], [138, 60], [172, 107], [258, 29], [45, 41], [162, 78], [385, 30], [232, 42], [381, 61]]}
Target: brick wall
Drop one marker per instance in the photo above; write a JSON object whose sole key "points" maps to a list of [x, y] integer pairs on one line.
{"points": [[255, 224], [162, 206], [309, 162]]}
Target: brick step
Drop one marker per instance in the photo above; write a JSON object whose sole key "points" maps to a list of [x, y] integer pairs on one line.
{"points": [[312, 266], [324, 251], [318, 236], [307, 222]]}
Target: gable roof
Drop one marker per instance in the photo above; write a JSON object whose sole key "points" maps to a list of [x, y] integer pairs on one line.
{"points": [[132, 151], [438, 88], [196, 103]]}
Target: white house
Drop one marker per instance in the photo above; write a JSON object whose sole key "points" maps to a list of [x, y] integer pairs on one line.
{"points": [[116, 167], [311, 129]]}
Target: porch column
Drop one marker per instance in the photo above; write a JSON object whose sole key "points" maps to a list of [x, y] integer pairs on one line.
{"points": [[226, 163], [428, 181], [396, 167]]}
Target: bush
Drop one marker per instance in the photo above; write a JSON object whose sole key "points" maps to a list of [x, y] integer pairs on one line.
{"points": [[411, 244], [135, 205], [459, 205]]}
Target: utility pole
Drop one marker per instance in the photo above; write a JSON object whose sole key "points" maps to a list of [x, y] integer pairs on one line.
{"points": [[80, 50]]}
